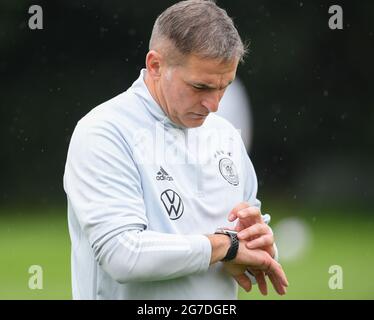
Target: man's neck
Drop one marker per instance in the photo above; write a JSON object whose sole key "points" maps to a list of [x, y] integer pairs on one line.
{"points": [[156, 94], [152, 89]]}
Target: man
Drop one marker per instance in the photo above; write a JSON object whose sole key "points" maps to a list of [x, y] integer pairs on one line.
{"points": [[152, 173]]}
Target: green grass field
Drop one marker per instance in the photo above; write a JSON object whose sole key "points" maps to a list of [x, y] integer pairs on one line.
{"points": [[32, 237]]}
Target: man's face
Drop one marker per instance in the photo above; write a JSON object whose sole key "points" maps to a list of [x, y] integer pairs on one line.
{"points": [[192, 90]]}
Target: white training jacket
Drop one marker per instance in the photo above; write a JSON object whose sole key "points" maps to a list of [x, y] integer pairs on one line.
{"points": [[142, 193]]}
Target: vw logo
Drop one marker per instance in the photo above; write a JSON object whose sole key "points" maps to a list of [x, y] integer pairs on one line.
{"points": [[172, 203]]}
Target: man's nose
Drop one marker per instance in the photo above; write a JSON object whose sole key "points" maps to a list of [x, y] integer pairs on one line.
{"points": [[212, 102]]}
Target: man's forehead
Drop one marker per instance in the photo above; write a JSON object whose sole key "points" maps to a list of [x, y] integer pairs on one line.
{"points": [[208, 71]]}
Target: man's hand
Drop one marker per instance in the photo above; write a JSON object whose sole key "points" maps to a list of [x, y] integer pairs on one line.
{"points": [[252, 228], [257, 235], [237, 271], [260, 264]]}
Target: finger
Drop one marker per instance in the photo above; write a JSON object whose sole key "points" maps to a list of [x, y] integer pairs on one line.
{"points": [[260, 260], [277, 277], [268, 265], [278, 287], [283, 276], [255, 230], [261, 282], [233, 213], [261, 242], [276, 270], [244, 282], [252, 214]]}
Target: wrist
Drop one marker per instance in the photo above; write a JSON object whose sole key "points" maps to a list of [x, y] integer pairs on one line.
{"points": [[220, 244], [234, 247]]}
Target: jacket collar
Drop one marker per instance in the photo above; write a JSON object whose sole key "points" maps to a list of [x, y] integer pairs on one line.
{"points": [[140, 88]]}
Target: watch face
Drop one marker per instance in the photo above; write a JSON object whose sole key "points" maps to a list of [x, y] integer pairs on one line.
{"points": [[226, 231]]}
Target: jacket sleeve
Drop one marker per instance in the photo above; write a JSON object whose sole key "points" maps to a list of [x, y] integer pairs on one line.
{"points": [[103, 185]]}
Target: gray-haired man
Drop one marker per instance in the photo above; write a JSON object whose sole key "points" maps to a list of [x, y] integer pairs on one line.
{"points": [[152, 173]]}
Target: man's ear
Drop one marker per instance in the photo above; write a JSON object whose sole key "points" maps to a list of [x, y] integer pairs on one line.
{"points": [[153, 62]]}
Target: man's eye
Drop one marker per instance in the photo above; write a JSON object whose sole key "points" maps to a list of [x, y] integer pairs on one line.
{"points": [[201, 88]]}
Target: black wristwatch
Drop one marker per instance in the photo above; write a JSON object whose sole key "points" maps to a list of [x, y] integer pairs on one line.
{"points": [[233, 250]]}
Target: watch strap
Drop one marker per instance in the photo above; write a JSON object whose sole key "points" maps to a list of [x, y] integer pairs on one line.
{"points": [[233, 250]]}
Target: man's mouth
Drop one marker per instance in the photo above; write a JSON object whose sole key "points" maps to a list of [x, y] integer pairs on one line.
{"points": [[200, 115]]}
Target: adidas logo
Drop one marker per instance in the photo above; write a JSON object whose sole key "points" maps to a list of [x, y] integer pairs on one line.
{"points": [[163, 175]]}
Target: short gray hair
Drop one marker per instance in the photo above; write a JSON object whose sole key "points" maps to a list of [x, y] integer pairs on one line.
{"points": [[198, 27]]}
